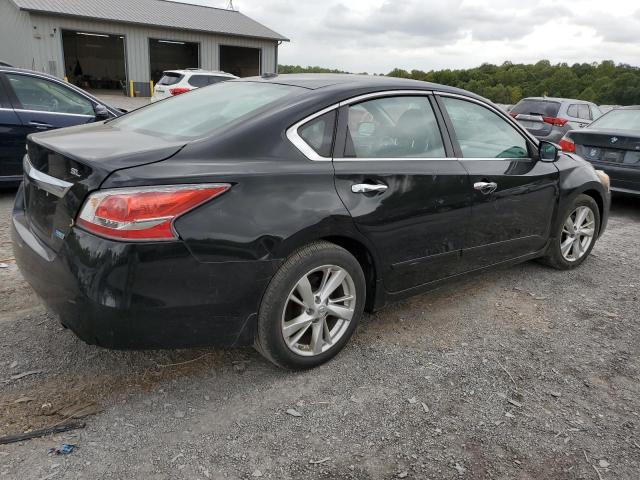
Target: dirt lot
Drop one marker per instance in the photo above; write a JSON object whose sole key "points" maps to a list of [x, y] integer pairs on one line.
{"points": [[526, 373]]}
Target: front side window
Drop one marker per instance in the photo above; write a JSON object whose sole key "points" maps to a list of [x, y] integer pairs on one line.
{"points": [[42, 95], [200, 112], [318, 133], [482, 133], [394, 127]]}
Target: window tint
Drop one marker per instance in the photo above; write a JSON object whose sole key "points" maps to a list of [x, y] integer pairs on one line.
{"points": [[394, 127], [583, 112], [318, 133], [572, 111], [213, 79], [544, 108], [481, 133], [199, 80], [45, 96], [204, 110], [170, 78], [4, 99]]}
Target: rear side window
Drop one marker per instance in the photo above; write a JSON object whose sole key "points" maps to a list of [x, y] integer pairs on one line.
{"points": [[572, 111], [394, 128], [583, 112], [544, 108], [318, 133], [481, 133], [198, 81], [170, 78]]}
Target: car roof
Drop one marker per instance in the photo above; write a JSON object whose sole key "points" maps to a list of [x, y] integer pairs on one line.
{"points": [[348, 81], [200, 71], [558, 99]]}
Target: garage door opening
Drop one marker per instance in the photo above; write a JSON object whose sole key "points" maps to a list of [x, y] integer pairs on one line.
{"points": [[240, 61], [172, 55], [95, 61]]}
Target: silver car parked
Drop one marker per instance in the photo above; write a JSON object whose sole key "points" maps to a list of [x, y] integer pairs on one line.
{"points": [[549, 118]]}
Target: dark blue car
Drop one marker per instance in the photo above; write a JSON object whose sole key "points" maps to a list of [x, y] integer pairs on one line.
{"points": [[35, 102]]}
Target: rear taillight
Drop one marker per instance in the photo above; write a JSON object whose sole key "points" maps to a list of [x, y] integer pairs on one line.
{"points": [[179, 90], [567, 145], [558, 122], [144, 213], [513, 114]]}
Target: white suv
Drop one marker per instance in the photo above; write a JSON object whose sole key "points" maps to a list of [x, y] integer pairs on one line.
{"points": [[175, 82]]}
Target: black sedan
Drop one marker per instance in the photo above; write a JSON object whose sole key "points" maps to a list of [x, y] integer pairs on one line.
{"points": [[273, 211], [34, 102], [612, 143]]}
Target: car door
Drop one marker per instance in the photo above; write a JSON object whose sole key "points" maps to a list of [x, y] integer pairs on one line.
{"points": [[514, 193], [43, 104], [404, 193], [12, 138]]}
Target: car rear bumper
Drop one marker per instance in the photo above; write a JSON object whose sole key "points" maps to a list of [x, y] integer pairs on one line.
{"points": [[140, 296]]}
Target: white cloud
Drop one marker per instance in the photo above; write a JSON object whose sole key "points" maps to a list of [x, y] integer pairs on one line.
{"points": [[379, 35]]}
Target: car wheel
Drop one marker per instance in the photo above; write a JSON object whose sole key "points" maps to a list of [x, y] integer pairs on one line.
{"points": [[576, 236], [311, 306]]}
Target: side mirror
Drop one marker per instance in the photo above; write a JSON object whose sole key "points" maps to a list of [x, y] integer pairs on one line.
{"points": [[101, 112], [548, 151]]}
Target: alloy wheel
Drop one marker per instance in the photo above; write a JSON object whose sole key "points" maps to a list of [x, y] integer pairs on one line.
{"points": [[577, 233], [318, 310]]}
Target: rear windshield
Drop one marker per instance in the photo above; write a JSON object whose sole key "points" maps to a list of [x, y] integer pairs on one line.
{"points": [[544, 108], [202, 111], [170, 78], [619, 120]]}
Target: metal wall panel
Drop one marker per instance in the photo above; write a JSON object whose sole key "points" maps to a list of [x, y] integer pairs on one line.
{"points": [[48, 47], [15, 36]]}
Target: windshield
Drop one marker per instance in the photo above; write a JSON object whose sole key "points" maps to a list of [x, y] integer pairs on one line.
{"points": [[202, 111], [544, 108], [619, 120]]}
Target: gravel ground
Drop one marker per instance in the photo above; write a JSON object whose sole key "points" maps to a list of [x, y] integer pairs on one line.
{"points": [[525, 373]]}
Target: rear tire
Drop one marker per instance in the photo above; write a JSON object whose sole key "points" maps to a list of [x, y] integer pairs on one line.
{"points": [[311, 307], [576, 235]]}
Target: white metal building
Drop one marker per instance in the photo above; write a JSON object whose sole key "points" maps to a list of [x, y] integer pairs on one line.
{"points": [[126, 44]]}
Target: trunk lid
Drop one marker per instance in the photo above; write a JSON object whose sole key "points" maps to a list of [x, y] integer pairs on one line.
{"points": [[63, 166], [607, 146]]}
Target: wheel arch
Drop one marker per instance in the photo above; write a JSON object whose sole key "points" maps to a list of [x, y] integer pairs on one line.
{"points": [[367, 261]]}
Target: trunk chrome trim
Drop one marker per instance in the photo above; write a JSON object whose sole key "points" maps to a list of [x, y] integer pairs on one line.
{"points": [[50, 184]]}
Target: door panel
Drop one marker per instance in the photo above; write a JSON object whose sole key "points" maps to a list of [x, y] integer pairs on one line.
{"points": [[404, 195], [514, 195]]}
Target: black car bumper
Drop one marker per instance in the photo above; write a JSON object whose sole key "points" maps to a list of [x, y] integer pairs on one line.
{"points": [[139, 296]]}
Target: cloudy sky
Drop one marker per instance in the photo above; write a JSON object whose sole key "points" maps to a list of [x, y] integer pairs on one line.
{"points": [[379, 35]]}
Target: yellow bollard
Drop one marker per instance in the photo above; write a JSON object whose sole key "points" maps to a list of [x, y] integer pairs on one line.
{"points": [[151, 88], [131, 92], [66, 79]]}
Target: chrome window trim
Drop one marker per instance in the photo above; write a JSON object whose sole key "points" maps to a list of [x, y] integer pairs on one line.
{"points": [[310, 153], [50, 184], [390, 159], [53, 113]]}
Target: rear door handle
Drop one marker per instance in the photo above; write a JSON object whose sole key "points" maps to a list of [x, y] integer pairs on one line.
{"points": [[368, 188], [40, 125], [486, 187]]}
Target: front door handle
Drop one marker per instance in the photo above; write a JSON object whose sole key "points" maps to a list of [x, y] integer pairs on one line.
{"points": [[40, 125], [486, 187], [368, 188]]}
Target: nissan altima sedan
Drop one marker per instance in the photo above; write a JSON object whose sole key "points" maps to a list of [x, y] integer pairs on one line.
{"points": [[273, 211]]}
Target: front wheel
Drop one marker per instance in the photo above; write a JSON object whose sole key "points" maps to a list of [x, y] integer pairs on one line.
{"points": [[311, 307], [576, 236]]}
